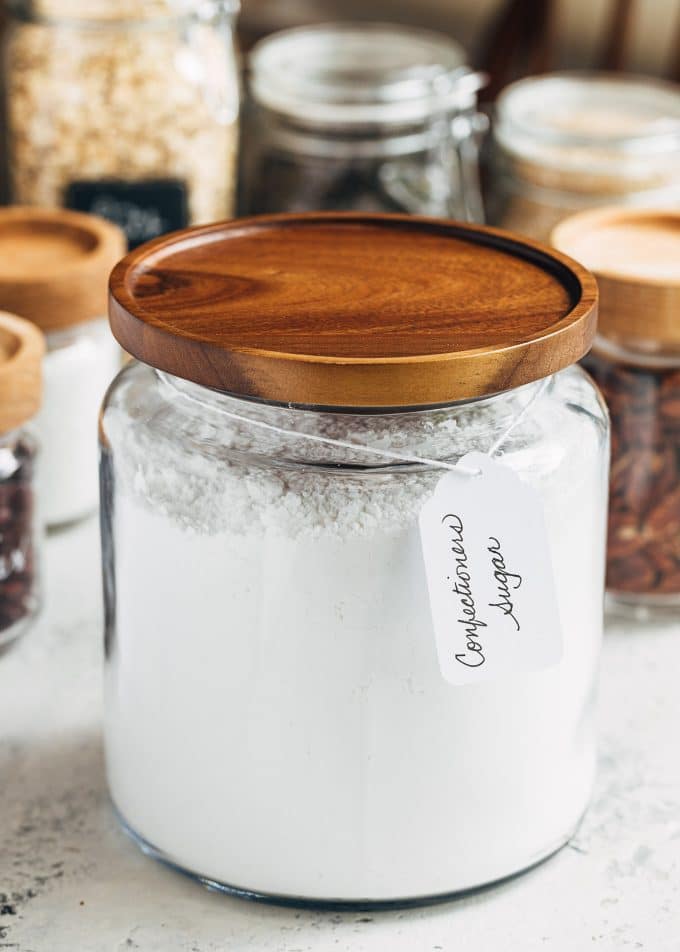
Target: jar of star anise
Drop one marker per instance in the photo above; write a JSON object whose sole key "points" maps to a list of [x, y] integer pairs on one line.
{"points": [[21, 352], [635, 255]]}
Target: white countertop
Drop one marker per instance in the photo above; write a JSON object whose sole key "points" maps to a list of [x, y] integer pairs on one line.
{"points": [[71, 881]]}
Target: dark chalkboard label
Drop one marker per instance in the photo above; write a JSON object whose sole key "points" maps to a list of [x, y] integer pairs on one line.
{"points": [[143, 210]]}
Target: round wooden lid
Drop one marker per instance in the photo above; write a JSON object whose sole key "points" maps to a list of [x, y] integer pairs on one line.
{"points": [[21, 352], [352, 310], [635, 254], [55, 264]]}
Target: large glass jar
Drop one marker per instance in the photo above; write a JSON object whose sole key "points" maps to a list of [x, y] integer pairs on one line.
{"points": [[362, 117], [267, 612], [571, 141], [127, 110], [56, 265], [636, 362], [21, 350]]}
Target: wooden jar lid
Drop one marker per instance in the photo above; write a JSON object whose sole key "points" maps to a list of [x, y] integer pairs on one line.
{"points": [[352, 310], [21, 352], [55, 264], [635, 255]]}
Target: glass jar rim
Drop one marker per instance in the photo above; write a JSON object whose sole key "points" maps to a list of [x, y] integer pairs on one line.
{"points": [[578, 118], [30, 11], [215, 396], [331, 74], [314, 426]]}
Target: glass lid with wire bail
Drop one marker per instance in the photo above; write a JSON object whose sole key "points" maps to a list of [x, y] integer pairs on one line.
{"points": [[389, 110]]}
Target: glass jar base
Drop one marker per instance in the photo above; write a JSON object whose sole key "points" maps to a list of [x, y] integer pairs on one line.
{"points": [[339, 905], [642, 607]]}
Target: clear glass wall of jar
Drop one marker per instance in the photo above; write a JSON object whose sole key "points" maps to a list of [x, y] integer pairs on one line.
{"points": [[267, 611], [305, 581], [55, 274], [21, 350], [571, 141], [365, 117], [636, 362], [127, 110]]}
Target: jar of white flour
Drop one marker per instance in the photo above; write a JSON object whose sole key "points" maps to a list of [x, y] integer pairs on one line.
{"points": [[353, 535], [54, 268]]}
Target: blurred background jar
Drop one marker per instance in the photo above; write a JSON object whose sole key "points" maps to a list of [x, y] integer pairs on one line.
{"points": [[571, 141], [21, 351], [363, 116], [54, 269], [128, 110], [635, 255]]}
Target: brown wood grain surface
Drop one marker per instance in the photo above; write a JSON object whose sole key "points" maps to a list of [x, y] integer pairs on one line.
{"points": [[21, 352], [55, 263], [635, 254], [352, 310]]}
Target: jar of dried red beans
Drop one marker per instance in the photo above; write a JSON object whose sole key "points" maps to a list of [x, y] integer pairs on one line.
{"points": [[21, 353], [635, 255]]}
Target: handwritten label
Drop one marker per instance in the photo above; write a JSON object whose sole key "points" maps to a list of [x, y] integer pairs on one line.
{"points": [[489, 575]]}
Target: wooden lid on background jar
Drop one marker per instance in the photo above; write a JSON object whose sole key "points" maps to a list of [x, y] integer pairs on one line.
{"points": [[352, 310], [55, 264], [635, 255], [21, 352]]}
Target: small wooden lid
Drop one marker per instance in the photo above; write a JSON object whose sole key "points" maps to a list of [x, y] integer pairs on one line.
{"points": [[21, 352], [55, 264], [352, 310], [635, 255]]}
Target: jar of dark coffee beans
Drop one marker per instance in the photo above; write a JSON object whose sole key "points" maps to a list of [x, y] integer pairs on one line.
{"points": [[362, 117], [21, 352], [635, 255]]}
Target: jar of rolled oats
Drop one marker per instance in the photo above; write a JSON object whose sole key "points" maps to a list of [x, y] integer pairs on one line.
{"points": [[565, 142], [635, 255], [126, 110]]}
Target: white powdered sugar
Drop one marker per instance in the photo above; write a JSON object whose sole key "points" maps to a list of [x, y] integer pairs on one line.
{"points": [[276, 718]]}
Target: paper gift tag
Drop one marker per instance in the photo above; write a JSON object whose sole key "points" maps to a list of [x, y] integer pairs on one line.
{"points": [[489, 575]]}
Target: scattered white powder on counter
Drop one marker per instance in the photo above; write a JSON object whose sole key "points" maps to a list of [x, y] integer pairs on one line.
{"points": [[76, 377], [275, 715]]}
